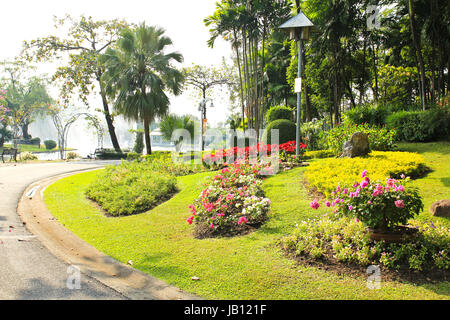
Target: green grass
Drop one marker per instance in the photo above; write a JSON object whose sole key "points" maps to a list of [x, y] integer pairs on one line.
{"points": [[34, 148], [160, 243], [436, 184]]}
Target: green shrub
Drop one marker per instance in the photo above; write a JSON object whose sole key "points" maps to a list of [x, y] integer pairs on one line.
{"points": [[131, 156], [370, 114], [324, 175], [318, 154], [421, 126], [131, 188], [279, 112], [310, 133], [50, 144], [380, 138], [36, 141], [348, 241], [111, 154], [287, 131], [162, 161], [139, 143]]}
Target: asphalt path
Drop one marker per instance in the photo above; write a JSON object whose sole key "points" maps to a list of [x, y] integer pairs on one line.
{"points": [[27, 269]]}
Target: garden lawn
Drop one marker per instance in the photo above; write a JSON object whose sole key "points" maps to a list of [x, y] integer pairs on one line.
{"points": [[34, 148], [160, 242], [435, 185]]}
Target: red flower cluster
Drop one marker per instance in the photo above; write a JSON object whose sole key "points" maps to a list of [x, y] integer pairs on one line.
{"points": [[237, 153]]}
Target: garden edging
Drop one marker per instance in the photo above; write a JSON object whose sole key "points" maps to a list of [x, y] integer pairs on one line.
{"points": [[68, 247]]}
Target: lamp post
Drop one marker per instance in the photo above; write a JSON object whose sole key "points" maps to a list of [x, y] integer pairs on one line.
{"points": [[202, 109], [299, 27]]}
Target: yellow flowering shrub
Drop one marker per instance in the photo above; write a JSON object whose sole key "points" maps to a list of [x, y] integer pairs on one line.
{"points": [[324, 175]]}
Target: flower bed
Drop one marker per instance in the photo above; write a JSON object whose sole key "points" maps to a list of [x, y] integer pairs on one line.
{"points": [[345, 240], [360, 210], [324, 175], [232, 203], [224, 156]]}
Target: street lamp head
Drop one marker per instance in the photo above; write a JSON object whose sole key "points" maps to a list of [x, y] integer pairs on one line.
{"points": [[298, 26]]}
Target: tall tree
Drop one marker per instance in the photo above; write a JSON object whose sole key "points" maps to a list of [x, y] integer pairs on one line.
{"points": [[83, 42], [247, 24], [26, 97], [418, 48], [138, 71], [172, 122]]}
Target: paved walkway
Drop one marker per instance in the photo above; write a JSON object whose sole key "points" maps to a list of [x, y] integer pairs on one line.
{"points": [[27, 269]]}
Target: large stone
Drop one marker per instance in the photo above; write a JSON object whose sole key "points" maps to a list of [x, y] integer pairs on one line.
{"points": [[441, 208], [357, 146]]}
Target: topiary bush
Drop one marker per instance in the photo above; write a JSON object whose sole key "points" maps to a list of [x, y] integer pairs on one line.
{"points": [[36, 141], [50, 144], [279, 112], [421, 126], [287, 131]]}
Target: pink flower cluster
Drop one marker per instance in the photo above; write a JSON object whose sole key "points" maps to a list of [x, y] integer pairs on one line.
{"points": [[338, 195], [223, 200]]}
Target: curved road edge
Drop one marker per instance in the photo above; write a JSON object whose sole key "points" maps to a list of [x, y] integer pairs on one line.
{"points": [[65, 245]]}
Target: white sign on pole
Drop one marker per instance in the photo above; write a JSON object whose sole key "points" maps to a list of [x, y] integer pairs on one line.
{"points": [[298, 85]]}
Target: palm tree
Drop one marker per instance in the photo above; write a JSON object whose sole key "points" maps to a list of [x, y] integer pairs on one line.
{"points": [[173, 122], [137, 74]]}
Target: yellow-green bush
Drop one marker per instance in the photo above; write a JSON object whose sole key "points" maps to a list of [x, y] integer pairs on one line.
{"points": [[318, 154], [326, 174]]}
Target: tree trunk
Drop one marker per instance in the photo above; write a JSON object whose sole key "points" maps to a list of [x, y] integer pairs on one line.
{"points": [[108, 118], [418, 49], [148, 143], [363, 76], [375, 72], [308, 116], [25, 133], [240, 81]]}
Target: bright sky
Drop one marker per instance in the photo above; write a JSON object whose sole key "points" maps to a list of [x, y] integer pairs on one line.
{"points": [[183, 21]]}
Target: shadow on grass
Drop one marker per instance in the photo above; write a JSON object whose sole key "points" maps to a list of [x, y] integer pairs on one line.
{"points": [[150, 264], [442, 147], [446, 181]]}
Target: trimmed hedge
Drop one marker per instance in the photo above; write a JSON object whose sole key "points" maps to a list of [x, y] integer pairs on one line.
{"points": [[421, 126], [50, 144], [287, 131], [279, 112]]}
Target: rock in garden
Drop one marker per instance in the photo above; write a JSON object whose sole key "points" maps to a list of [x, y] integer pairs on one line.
{"points": [[441, 208], [357, 146]]}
